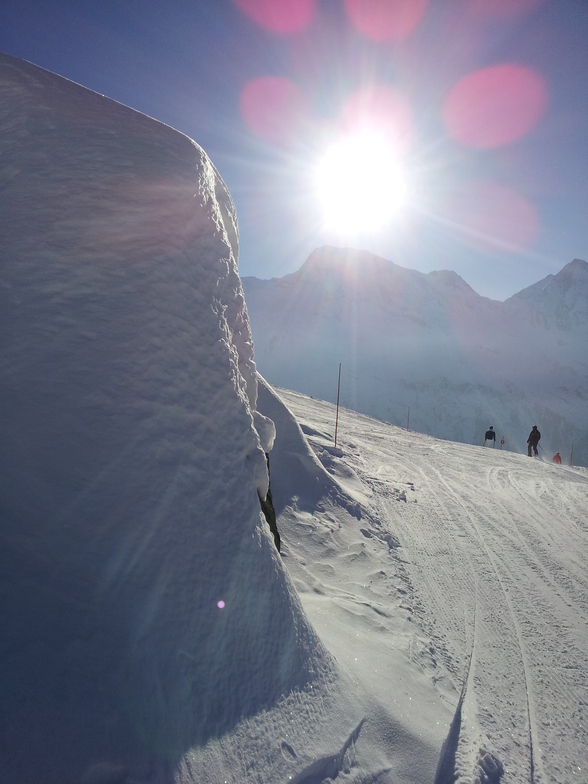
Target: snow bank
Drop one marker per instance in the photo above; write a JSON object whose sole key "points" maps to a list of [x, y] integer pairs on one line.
{"points": [[145, 610]]}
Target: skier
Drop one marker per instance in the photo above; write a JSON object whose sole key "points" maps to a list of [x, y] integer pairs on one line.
{"points": [[490, 435], [533, 440], [557, 458]]}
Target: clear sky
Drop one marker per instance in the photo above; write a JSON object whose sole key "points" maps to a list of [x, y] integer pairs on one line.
{"points": [[484, 104]]}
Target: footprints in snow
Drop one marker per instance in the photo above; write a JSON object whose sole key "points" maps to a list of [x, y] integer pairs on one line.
{"points": [[489, 769]]}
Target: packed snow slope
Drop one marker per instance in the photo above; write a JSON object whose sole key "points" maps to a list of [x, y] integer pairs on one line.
{"points": [[448, 579], [427, 349]]}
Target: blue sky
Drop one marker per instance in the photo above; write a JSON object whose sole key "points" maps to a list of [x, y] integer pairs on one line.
{"points": [[491, 97]]}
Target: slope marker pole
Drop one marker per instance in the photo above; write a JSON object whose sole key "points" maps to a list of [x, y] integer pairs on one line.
{"points": [[337, 416]]}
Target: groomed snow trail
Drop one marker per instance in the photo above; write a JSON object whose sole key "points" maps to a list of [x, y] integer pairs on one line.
{"points": [[494, 550]]}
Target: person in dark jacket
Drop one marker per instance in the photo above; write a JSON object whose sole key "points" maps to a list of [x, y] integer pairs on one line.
{"points": [[533, 441], [490, 435]]}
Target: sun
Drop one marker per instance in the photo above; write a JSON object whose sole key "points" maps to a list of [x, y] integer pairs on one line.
{"points": [[359, 184]]}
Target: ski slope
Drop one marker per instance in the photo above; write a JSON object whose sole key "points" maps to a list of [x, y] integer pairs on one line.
{"points": [[451, 582]]}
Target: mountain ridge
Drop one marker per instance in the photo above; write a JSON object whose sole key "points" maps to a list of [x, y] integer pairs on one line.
{"points": [[429, 343], [562, 296]]}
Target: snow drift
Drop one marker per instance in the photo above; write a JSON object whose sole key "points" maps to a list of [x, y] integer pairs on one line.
{"points": [[145, 610], [430, 346]]}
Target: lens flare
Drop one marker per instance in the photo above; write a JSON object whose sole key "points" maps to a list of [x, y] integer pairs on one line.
{"points": [[495, 106], [274, 108], [493, 217], [386, 20], [279, 16], [220, 604]]}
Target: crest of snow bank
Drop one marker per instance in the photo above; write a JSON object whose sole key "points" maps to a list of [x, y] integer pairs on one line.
{"points": [[145, 608]]}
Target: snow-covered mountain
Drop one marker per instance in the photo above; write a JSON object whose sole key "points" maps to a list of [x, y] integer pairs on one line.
{"points": [[426, 350], [558, 301]]}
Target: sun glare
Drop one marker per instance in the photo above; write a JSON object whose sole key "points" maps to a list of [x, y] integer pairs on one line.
{"points": [[359, 184]]}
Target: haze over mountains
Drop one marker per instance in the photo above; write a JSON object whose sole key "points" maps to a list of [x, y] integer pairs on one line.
{"points": [[427, 350]]}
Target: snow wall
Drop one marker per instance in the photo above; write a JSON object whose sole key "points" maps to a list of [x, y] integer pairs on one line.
{"points": [[129, 454]]}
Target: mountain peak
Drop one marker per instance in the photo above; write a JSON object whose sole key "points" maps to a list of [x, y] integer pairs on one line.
{"points": [[329, 257], [575, 267], [450, 279], [574, 275], [561, 298]]}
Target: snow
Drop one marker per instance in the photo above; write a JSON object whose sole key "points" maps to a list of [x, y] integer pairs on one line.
{"points": [[426, 620], [429, 343], [434, 570], [129, 458]]}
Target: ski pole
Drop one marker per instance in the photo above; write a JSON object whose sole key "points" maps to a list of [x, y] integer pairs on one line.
{"points": [[337, 417]]}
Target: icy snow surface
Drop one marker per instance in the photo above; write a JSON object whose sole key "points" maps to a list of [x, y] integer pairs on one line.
{"points": [[440, 575]]}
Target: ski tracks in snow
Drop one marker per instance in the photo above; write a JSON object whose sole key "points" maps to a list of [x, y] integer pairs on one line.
{"points": [[502, 595], [450, 599], [527, 690], [501, 638]]}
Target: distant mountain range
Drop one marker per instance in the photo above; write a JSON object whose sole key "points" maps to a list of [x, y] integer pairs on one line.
{"points": [[427, 351]]}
